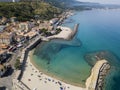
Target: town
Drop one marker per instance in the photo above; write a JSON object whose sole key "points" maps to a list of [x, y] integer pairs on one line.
{"points": [[16, 35]]}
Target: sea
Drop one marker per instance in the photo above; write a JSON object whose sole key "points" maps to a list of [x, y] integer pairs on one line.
{"points": [[71, 61]]}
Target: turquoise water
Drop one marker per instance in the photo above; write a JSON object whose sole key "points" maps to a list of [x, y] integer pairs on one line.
{"points": [[71, 61]]}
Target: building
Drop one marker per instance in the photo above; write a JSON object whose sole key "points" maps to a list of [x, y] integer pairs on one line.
{"points": [[30, 34], [2, 70], [3, 20], [19, 38], [24, 27], [13, 0], [2, 27], [4, 46], [13, 19], [6, 38]]}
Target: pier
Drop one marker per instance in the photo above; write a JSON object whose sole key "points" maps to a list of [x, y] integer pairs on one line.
{"points": [[75, 30]]}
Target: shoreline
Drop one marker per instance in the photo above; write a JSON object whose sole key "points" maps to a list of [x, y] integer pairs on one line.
{"points": [[56, 85], [37, 80], [40, 81], [51, 75], [94, 79]]}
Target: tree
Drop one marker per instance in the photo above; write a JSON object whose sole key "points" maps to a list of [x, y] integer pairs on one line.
{"points": [[24, 11]]}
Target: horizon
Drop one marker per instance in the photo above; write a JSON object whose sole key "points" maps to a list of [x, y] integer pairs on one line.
{"points": [[115, 2]]}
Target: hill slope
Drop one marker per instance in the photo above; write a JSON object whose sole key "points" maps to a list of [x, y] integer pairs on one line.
{"points": [[26, 10]]}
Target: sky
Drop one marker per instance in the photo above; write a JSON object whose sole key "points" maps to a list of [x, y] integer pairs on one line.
{"points": [[102, 1]]}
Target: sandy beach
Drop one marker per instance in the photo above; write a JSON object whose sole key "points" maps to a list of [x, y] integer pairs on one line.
{"points": [[37, 80]]}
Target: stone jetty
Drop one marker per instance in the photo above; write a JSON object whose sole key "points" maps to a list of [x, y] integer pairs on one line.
{"points": [[102, 73], [98, 73]]}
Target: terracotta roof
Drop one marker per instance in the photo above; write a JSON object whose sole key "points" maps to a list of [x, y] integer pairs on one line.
{"points": [[30, 34], [2, 51], [3, 46], [4, 35]]}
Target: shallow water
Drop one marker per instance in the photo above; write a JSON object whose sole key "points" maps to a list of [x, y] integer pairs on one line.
{"points": [[71, 61]]}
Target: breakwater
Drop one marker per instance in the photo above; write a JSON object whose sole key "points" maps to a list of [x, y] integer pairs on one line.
{"points": [[102, 73], [98, 73], [75, 30], [66, 33]]}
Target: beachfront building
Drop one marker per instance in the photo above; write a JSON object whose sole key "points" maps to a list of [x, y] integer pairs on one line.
{"points": [[2, 70]]}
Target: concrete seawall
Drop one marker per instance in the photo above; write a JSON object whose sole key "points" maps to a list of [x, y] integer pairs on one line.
{"points": [[25, 54], [75, 30], [17, 81]]}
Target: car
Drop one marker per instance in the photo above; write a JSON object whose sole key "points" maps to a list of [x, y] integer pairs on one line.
{"points": [[19, 45]]}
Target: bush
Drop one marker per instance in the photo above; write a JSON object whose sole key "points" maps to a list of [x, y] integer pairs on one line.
{"points": [[17, 64]]}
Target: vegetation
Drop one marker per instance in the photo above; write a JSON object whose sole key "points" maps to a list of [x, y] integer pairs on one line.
{"points": [[28, 10], [17, 64], [45, 32], [56, 3], [58, 30]]}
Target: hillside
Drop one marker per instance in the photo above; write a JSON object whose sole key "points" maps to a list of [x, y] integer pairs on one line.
{"points": [[27, 10]]}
